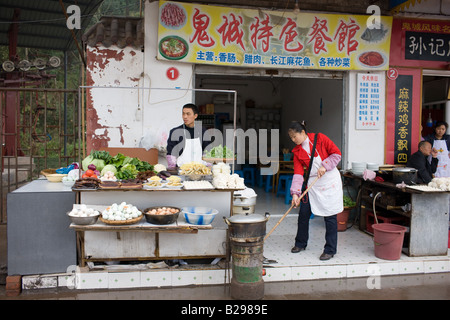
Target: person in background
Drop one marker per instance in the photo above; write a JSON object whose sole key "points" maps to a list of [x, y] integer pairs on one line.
{"points": [[441, 142], [185, 142], [419, 161], [325, 198]]}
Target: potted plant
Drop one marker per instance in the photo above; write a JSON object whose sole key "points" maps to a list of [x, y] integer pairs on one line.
{"points": [[342, 217]]}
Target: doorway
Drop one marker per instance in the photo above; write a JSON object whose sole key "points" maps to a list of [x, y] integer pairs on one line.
{"points": [[271, 99]]}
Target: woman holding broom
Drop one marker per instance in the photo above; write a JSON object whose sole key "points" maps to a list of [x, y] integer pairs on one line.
{"points": [[318, 153]]}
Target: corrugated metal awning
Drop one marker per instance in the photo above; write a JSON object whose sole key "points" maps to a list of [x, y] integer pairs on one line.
{"points": [[42, 23]]}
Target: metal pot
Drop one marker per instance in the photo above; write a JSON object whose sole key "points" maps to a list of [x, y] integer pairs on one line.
{"points": [[248, 227], [243, 209], [405, 174], [243, 201]]}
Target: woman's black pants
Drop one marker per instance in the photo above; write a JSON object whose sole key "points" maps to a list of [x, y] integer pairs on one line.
{"points": [[301, 240]]}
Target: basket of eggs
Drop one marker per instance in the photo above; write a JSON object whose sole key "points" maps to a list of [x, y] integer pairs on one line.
{"points": [[161, 215]]}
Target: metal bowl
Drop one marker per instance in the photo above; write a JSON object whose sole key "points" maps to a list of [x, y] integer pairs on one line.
{"points": [[83, 220], [163, 218]]}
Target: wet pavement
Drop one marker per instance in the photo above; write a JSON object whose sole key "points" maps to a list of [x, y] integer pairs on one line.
{"points": [[410, 287]]}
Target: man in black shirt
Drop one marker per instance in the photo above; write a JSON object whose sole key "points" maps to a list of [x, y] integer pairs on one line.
{"points": [[185, 143], [419, 161]]}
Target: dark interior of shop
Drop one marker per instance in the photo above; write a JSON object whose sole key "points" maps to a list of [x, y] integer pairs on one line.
{"points": [[435, 92]]}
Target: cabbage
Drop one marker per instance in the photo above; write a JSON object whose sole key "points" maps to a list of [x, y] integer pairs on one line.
{"points": [[98, 163], [74, 174], [130, 167], [109, 167]]}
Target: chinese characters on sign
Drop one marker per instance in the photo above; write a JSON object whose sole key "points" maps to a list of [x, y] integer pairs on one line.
{"points": [[427, 46], [255, 38], [369, 101], [403, 112]]}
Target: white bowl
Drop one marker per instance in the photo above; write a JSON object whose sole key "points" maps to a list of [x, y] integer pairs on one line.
{"points": [[68, 183], [199, 215]]}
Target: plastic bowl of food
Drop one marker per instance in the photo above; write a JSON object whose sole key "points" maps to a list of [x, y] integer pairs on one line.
{"points": [[55, 177], [161, 215], [199, 215], [68, 182]]}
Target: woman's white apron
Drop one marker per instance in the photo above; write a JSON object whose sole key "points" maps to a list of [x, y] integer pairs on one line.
{"points": [[443, 168], [326, 196]]}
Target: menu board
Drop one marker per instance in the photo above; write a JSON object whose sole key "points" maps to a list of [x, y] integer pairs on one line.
{"points": [[369, 101]]}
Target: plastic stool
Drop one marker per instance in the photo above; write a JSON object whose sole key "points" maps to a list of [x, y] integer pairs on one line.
{"points": [[268, 183], [250, 173], [287, 194], [240, 173], [268, 173], [281, 178]]}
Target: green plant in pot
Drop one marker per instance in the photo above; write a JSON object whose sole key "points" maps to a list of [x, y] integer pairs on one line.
{"points": [[348, 202], [342, 217]]}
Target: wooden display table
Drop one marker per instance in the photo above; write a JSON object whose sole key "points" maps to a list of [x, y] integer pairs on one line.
{"points": [[424, 213], [144, 241], [125, 232]]}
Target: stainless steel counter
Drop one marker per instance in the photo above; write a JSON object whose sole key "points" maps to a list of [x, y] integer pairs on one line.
{"points": [[39, 238]]}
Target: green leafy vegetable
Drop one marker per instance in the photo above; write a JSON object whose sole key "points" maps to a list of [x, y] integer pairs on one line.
{"points": [[99, 164], [109, 167], [117, 160], [219, 152], [348, 202], [124, 167]]}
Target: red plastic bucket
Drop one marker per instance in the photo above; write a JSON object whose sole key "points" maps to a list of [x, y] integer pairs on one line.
{"points": [[388, 240]]}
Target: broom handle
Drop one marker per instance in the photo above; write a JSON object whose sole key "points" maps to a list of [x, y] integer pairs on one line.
{"points": [[289, 210]]}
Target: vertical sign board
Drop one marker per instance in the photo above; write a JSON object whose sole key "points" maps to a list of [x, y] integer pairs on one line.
{"points": [[369, 101], [403, 117], [403, 113]]}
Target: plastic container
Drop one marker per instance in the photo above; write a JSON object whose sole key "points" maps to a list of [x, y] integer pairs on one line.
{"points": [[388, 240], [199, 215], [370, 220], [342, 219]]}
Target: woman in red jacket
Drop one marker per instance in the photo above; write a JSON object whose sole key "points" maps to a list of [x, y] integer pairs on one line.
{"points": [[325, 197]]}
